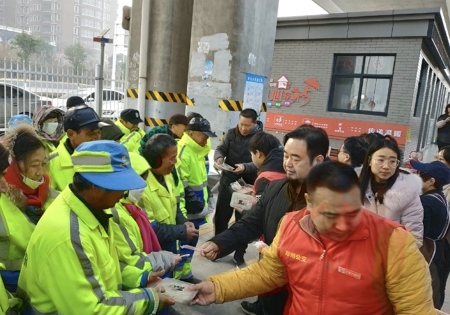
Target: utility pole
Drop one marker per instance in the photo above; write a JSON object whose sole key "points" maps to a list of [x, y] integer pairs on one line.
{"points": [[99, 71]]}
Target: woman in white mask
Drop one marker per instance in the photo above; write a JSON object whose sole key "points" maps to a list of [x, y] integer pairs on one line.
{"points": [[48, 122], [28, 195], [136, 242]]}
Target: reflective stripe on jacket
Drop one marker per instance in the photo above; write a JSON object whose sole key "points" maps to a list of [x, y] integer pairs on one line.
{"points": [[71, 266], [191, 168], [60, 168], [378, 270], [128, 242], [160, 203], [131, 139], [15, 233]]}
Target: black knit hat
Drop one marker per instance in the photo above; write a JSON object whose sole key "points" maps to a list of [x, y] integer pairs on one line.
{"points": [[74, 101], [111, 132], [4, 158], [178, 119]]}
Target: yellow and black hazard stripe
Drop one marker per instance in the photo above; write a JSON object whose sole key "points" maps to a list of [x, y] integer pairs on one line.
{"points": [[232, 106], [263, 108], [237, 106], [162, 96], [153, 122]]}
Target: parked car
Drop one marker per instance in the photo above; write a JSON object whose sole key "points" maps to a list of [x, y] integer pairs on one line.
{"points": [[16, 100], [112, 103]]}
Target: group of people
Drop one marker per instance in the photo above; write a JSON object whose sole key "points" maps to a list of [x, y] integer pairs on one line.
{"points": [[95, 212], [357, 236]]}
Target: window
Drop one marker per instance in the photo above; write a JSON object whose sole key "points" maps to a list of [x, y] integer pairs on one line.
{"points": [[46, 28], [361, 84], [46, 17], [2, 2], [58, 27], [46, 7]]}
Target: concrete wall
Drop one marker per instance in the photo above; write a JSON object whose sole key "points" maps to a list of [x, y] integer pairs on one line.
{"points": [[298, 60], [238, 38]]}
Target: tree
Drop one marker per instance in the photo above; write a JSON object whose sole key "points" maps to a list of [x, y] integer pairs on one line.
{"points": [[27, 45], [76, 55]]}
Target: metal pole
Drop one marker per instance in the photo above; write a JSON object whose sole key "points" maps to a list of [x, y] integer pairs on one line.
{"points": [[99, 90], [143, 51]]}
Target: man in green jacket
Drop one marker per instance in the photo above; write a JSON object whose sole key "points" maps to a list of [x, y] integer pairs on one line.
{"points": [[71, 264], [129, 124], [82, 124]]}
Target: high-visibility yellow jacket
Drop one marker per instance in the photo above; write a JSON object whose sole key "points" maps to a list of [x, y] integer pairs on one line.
{"points": [[71, 266], [131, 139], [15, 227], [7, 300], [128, 240], [60, 168], [162, 211], [192, 171]]}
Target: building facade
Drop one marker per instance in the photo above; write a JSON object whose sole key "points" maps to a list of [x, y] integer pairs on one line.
{"points": [[64, 23], [352, 73]]}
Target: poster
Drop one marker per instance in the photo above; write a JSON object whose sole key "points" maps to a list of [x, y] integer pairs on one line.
{"points": [[253, 92]]}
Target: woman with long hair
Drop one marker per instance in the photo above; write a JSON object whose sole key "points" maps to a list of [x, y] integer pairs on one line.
{"points": [[28, 195], [390, 191]]}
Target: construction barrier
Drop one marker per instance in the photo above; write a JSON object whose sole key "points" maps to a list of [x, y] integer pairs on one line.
{"points": [[162, 96]]}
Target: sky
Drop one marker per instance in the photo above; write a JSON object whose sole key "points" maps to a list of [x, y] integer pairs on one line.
{"points": [[298, 7], [286, 7]]}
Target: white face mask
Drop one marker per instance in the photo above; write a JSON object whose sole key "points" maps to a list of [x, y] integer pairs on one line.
{"points": [[136, 194], [33, 184], [50, 127]]}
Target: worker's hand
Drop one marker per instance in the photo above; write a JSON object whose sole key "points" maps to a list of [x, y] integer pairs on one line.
{"points": [[191, 231], [176, 259], [155, 277], [206, 293], [447, 119], [189, 223], [239, 169], [219, 161], [164, 300], [209, 250]]}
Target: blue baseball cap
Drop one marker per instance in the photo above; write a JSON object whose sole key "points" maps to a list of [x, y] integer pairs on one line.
{"points": [[107, 165], [17, 120], [438, 170]]}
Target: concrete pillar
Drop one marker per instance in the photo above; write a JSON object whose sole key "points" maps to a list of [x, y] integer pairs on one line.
{"points": [[168, 55], [229, 39]]}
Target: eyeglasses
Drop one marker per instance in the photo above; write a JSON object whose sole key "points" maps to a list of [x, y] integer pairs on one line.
{"points": [[381, 162]]}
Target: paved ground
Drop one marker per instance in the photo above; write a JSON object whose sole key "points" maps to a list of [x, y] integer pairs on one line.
{"points": [[203, 268]]}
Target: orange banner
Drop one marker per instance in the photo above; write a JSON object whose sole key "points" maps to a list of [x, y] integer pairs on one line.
{"points": [[336, 128]]}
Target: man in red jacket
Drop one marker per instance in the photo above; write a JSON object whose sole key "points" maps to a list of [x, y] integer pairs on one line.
{"points": [[335, 256]]}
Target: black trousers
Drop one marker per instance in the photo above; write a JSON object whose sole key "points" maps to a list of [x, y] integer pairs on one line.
{"points": [[439, 270], [224, 213], [441, 144], [273, 304]]}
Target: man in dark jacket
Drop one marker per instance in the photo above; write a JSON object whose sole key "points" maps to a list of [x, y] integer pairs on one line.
{"points": [[234, 151], [304, 147]]}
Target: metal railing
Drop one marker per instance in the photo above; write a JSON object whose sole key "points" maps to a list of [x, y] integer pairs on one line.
{"points": [[24, 87]]}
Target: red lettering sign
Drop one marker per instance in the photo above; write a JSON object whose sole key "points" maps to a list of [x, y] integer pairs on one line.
{"points": [[336, 128]]}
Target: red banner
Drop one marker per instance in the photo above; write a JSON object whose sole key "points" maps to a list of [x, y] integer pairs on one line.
{"points": [[336, 128]]}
